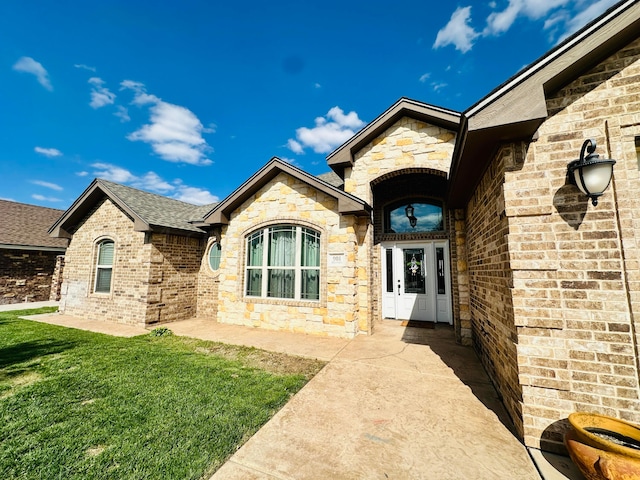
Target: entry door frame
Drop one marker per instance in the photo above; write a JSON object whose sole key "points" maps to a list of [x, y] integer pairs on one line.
{"points": [[438, 306]]}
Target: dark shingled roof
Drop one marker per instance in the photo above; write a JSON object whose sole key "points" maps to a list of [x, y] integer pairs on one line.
{"points": [[157, 210], [27, 225], [332, 178]]}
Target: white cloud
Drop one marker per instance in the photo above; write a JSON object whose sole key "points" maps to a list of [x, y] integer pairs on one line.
{"points": [[113, 173], [500, 22], [584, 16], [48, 152], [457, 32], [29, 65], [122, 113], [82, 174], [294, 146], [174, 132], [197, 196], [437, 86], [50, 185], [42, 198], [329, 132], [424, 77], [561, 18], [152, 182], [100, 95], [85, 67]]}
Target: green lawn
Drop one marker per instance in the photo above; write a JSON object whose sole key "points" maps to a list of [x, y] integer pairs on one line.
{"points": [[81, 405]]}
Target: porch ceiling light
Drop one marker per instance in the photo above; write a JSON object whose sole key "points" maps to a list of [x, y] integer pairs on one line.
{"points": [[408, 210], [591, 174]]}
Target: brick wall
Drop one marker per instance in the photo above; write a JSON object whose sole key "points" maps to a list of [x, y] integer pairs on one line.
{"points": [[173, 277], [567, 273], [25, 275], [208, 282], [489, 282], [127, 302], [56, 279]]}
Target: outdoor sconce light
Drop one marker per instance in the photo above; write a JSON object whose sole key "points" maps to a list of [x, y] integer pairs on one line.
{"points": [[409, 212], [591, 174]]}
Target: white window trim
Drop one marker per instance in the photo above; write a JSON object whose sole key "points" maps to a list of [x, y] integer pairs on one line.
{"points": [[212, 245], [99, 266], [265, 267]]}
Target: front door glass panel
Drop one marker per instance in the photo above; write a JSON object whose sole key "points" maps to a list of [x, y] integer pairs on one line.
{"points": [[414, 270]]}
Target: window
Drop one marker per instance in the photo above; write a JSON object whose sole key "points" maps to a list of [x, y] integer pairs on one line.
{"points": [[104, 267], [283, 261], [414, 217], [215, 251]]}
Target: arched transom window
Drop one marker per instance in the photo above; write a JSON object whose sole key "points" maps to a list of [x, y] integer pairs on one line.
{"points": [[283, 261], [410, 217]]}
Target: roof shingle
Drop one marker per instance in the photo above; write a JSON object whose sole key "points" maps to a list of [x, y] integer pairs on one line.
{"points": [[27, 225]]}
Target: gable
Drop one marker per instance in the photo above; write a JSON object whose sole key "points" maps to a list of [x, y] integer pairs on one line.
{"points": [[346, 203]]}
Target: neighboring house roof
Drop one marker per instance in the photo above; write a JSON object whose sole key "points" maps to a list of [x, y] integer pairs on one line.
{"points": [[343, 156], [347, 203], [25, 227], [148, 211], [516, 109]]}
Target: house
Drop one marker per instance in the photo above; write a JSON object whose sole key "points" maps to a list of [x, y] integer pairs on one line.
{"points": [[28, 254], [463, 218]]}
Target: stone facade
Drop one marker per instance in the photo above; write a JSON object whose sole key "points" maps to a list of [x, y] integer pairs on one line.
{"points": [[554, 281], [25, 275], [409, 160], [286, 200]]}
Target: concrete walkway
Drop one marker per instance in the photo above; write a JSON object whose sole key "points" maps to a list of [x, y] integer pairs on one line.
{"points": [[403, 403]]}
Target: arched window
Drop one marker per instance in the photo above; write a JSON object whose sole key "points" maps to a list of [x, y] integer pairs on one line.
{"points": [[411, 217], [104, 266], [283, 261], [215, 252]]}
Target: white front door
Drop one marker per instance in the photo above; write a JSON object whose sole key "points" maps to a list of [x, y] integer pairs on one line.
{"points": [[415, 281]]}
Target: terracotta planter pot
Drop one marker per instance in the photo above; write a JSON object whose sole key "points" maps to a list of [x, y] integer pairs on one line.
{"points": [[598, 464], [607, 433]]}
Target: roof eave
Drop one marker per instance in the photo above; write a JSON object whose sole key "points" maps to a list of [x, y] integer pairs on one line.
{"points": [[515, 110], [82, 206]]}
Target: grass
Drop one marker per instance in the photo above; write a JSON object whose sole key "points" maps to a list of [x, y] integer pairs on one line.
{"points": [[81, 405]]}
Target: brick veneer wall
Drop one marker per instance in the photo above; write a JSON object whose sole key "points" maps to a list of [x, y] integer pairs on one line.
{"points": [[25, 275], [574, 268], [127, 302], [155, 276], [489, 281], [173, 277], [56, 279], [208, 282], [286, 200]]}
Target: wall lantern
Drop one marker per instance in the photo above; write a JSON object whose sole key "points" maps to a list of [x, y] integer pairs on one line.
{"points": [[409, 212], [591, 174]]}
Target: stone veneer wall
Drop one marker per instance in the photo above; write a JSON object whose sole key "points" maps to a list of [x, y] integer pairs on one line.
{"points": [[25, 275], [413, 148], [285, 200], [574, 268], [127, 302], [173, 277]]}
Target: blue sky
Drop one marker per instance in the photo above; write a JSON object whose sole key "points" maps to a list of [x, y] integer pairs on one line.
{"points": [[188, 99]]}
